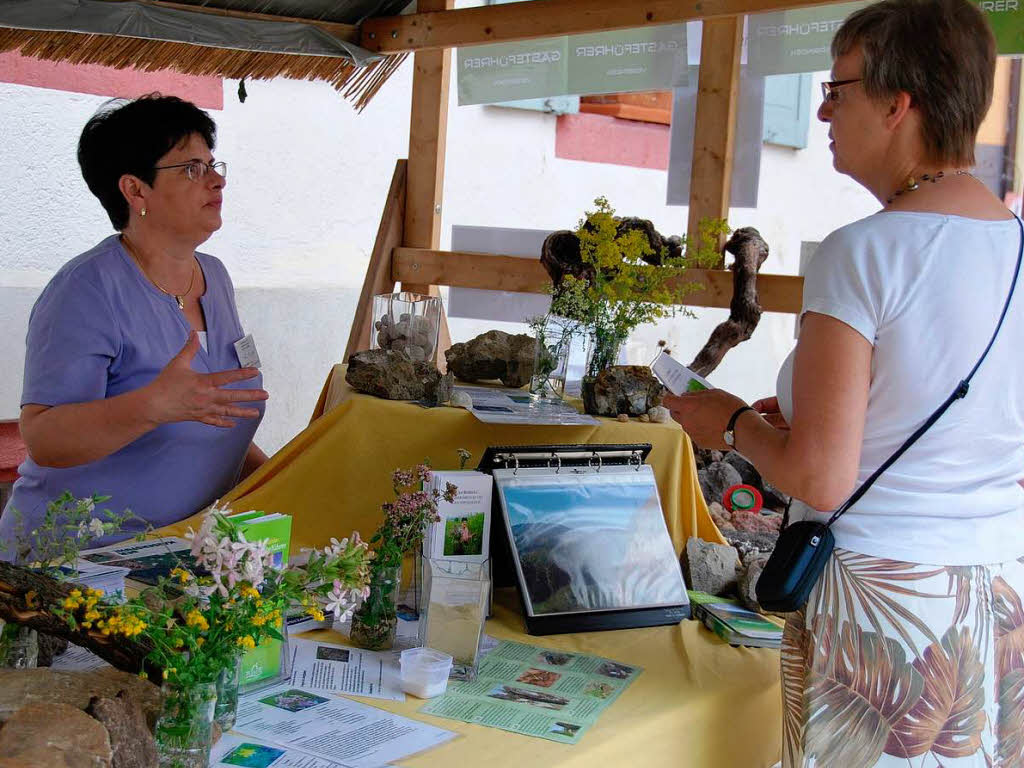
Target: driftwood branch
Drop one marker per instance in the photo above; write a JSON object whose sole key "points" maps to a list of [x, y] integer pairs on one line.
{"points": [[25, 596], [750, 250]]}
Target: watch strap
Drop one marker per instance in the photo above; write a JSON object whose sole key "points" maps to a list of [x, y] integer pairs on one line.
{"points": [[736, 414]]}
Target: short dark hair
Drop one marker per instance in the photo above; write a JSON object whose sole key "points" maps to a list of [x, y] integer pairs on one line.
{"points": [[941, 52], [131, 137]]}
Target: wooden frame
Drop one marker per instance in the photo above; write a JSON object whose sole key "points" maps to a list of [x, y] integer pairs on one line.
{"points": [[419, 265]]}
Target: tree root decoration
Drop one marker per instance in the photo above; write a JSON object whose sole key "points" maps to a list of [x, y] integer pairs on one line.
{"points": [[750, 250], [24, 597]]}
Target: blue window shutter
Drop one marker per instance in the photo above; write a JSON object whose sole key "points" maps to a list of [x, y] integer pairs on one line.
{"points": [[558, 105], [787, 109]]}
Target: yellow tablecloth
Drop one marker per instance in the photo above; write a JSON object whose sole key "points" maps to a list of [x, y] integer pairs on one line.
{"points": [[699, 703]]}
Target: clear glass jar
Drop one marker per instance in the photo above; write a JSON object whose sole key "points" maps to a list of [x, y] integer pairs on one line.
{"points": [[184, 729], [19, 646], [375, 621], [559, 356], [456, 596], [407, 322], [226, 711]]}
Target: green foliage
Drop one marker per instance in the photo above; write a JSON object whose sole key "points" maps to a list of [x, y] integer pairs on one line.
{"points": [[624, 291]]}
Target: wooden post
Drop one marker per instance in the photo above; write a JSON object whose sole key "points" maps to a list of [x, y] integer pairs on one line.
{"points": [[715, 126], [428, 128]]}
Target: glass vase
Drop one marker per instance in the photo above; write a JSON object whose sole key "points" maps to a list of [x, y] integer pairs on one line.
{"points": [[456, 596], [184, 729], [19, 646], [604, 351], [407, 322], [559, 356], [375, 621], [226, 710]]}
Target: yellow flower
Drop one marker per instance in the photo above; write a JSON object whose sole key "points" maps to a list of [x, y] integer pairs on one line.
{"points": [[250, 591], [181, 575], [30, 598], [94, 592], [246, 642], [178, 642], [76, 593], [200, 640], [92, 615], [196, 619]]}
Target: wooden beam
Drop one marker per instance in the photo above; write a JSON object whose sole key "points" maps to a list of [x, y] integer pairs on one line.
{"points": [[378, 278], [428, 129], [347, 32], [431, 29], [776, 293], [715, 123]]}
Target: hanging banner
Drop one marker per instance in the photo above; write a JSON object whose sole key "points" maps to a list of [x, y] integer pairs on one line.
{"points": [[789, 42], [800, 40], [608, 62], [634, 60]]}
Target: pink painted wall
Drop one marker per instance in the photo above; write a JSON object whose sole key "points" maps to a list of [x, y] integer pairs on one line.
{"points": [[603, 139], [206, 92]]}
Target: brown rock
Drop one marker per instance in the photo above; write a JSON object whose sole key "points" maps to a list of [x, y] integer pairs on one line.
{"points": [[64, 734], [392, 375], [19, 687], [710, 567], [493, 355], [629, 389], [131, 740]]}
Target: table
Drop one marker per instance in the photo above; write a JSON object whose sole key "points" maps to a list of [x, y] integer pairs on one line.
{"points": [[333, 476], [699, 702]]}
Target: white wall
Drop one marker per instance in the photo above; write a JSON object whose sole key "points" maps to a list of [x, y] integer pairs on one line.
{"points": [[308, 177]]}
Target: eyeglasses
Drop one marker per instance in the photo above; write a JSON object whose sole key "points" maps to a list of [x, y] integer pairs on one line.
{"points": [[829, 90], [196, 169]]}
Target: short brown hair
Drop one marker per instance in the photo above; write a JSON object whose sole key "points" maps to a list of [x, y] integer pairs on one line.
{"points": [[942, 53]]}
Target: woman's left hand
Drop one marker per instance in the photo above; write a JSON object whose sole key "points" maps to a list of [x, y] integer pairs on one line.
{"points": [[704, 415]]}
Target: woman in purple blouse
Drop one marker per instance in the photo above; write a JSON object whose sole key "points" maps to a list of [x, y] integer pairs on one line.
{"points": [[133, 388]]}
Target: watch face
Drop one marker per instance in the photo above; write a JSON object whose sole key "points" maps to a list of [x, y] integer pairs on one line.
{"points": [[728, 437]]}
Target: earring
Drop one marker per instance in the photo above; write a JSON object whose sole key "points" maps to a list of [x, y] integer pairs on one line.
{"points": [[143, 213]]}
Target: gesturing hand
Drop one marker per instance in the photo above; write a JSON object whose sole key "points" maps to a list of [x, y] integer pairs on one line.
{"points": [[181, 394]]}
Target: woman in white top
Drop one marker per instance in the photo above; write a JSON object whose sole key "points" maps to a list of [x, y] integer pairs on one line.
{"points": [[910, 651]]}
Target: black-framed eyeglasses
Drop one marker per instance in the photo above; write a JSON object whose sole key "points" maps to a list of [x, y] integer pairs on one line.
{"points": [[829, 88], [196, 169]]}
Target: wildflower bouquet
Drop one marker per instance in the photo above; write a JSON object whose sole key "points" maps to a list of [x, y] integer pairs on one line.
{"points": [[405, 520]]}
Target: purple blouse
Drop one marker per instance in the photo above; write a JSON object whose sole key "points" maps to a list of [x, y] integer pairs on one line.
{"points": [[101, 329]]}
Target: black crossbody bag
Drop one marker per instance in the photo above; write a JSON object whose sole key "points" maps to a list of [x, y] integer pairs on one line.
{"points": [[804, 547]]}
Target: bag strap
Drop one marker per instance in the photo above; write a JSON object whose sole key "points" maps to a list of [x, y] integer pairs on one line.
{"points": [[957, 394]]}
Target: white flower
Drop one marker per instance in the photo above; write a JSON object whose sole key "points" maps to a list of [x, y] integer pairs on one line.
{"points": [[90, 505], [96, 527], [83, 528], [340, 602]]}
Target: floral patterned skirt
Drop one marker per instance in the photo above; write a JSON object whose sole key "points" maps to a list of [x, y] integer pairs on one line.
{"points": [[909, 665]]}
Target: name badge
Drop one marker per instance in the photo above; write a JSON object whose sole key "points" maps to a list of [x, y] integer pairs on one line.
{"points": [[245, 348]]}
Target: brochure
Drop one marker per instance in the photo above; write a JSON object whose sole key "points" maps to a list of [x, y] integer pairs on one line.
{"points": [[339, 669], [464, 532], [676, 377], [275, 528], [543, 692], [147, 561], [330, 728], [495, 405], [734, 623], [235, 750]]}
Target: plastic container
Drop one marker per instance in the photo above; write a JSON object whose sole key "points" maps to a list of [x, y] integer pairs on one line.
{"points": [[425, 672]]}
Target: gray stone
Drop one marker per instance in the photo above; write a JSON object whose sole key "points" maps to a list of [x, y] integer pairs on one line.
{"points": [[750, 544], [21, 687], [131, 740], [629, 389], [716, 479], [50, 646], [705, 456], [390, 374], [748, 472], [773, 497], [417, 331], [710, 567], [493, 355], [748, 582], [58, 735]]}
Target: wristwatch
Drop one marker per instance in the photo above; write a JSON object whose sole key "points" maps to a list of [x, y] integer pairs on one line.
{"points": [[729, 436]]}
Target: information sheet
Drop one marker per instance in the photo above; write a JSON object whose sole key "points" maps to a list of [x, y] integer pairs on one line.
{"points": [[339, 730], [493, 405], [233, 750], [339, 669], [535, 691], [78, 659]]}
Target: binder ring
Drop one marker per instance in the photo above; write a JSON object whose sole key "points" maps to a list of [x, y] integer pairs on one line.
{"points": [[558, 459], [516, 470], [639, 460], [590, 462]]}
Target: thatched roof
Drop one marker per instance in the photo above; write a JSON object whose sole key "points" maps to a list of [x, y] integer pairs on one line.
{"points": [[257, 39]]}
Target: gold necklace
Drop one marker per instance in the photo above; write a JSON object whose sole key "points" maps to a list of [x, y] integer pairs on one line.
{"points": [[178, 297]]}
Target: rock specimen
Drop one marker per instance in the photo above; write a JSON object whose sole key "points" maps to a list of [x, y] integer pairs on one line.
{"points": [[131, 741], [659, 414], [493, 355], [44, 735], [415, 335], [710, 567], [20, 687], [629, 389], [393, 376], [716, 479], [748, 582]]}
